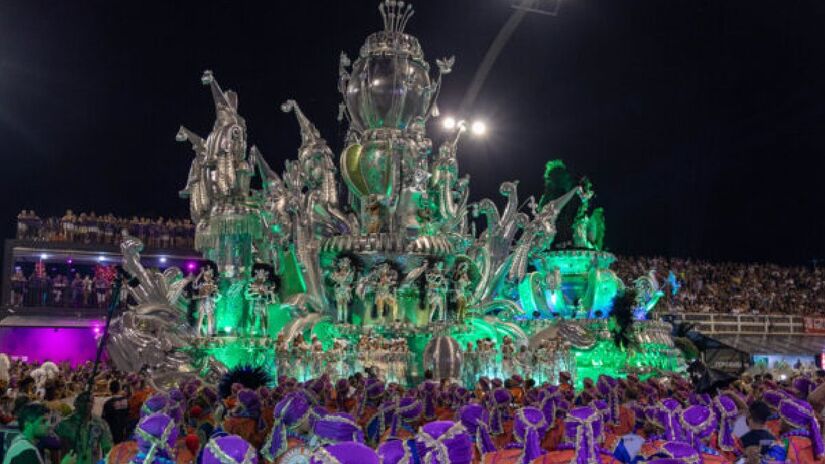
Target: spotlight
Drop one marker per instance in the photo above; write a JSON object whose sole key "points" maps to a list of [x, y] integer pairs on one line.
{"points": [[44, 256], [227, 329], [449, 123], [101, 258], [479, 128], [163, 259]]}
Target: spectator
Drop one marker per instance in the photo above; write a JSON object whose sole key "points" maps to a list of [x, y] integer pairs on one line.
{"points": [[758, 441], [82, 424], [33, 420], [116, 412]]}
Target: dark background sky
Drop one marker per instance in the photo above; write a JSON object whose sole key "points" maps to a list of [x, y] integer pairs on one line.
{"points": [[700, 122]]}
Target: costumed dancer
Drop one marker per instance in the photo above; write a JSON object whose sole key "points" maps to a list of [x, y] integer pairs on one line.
{"points": [[290, 440], [230, 449], [317, 353], [800, 432], [508, 356], [244, 419], [207, 296], [156, 442], [436, 293], [346, 453], [583, 429], [403, 422], [462, 291], [386, 302], [672, 452], [282, 354], [260, 293], [476, 420], [698, 424], [529, 427], [343, 278], [445, 442], [335, 428], [723, 439]]}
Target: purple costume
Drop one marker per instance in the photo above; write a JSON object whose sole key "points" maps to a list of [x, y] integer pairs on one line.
{"points": [[156, 436], [345, 453], [444, 442], [337, 428], [230, 449]]}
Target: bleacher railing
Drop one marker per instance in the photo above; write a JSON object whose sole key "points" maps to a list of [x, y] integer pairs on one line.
{"points": [[745, 324]]}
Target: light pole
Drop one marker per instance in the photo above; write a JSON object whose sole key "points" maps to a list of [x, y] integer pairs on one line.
{"points": [[521, 9]]}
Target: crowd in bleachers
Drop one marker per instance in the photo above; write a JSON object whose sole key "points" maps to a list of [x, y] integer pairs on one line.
{"points": [[732, 288], [90, 228], [249, 418], [87, 288]]}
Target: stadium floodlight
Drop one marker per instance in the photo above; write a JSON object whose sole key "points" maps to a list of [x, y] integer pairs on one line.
{"points": [[449, 123], [478, 128]]}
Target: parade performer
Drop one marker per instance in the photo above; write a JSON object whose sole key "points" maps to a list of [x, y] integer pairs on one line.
{"points": [[444, 442], [476, 420], [583, 429], [436, 292], [245, 418], [801, 434], [346, 453], [207, 296], [289, 441], [343, 278], [386, 302], [462, 291], [528, 428], [230, 449], [337, 428], [260, 293], [698, 424]]}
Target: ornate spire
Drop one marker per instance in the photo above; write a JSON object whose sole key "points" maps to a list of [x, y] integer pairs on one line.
{"points": [[395, 15], [223, 100], [309, 133]]}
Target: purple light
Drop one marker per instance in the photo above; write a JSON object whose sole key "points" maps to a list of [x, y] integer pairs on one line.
{"points": [[69, 261], [191, 266], [75, 345]]}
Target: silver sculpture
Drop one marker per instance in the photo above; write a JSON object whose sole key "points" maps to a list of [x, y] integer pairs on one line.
{"points": [[406, 207], [153, 333]]}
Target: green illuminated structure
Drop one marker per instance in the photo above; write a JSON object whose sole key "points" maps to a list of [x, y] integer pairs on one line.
{"points": [[398, 259]]}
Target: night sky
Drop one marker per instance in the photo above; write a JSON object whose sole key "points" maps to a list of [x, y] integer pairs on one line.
{"points": [[700, 122]]}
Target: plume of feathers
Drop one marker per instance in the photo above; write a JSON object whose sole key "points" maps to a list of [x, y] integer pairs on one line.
{"points": [[623, 307], [248, 376]]}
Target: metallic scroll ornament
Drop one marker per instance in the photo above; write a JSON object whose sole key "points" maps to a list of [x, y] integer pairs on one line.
{"points": [[153, 333]]}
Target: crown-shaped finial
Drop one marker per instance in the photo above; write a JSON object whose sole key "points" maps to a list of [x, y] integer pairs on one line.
{"points": [[395, 14]]}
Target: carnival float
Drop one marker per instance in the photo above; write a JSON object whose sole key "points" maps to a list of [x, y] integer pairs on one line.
{"points": [[375, 257]]}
